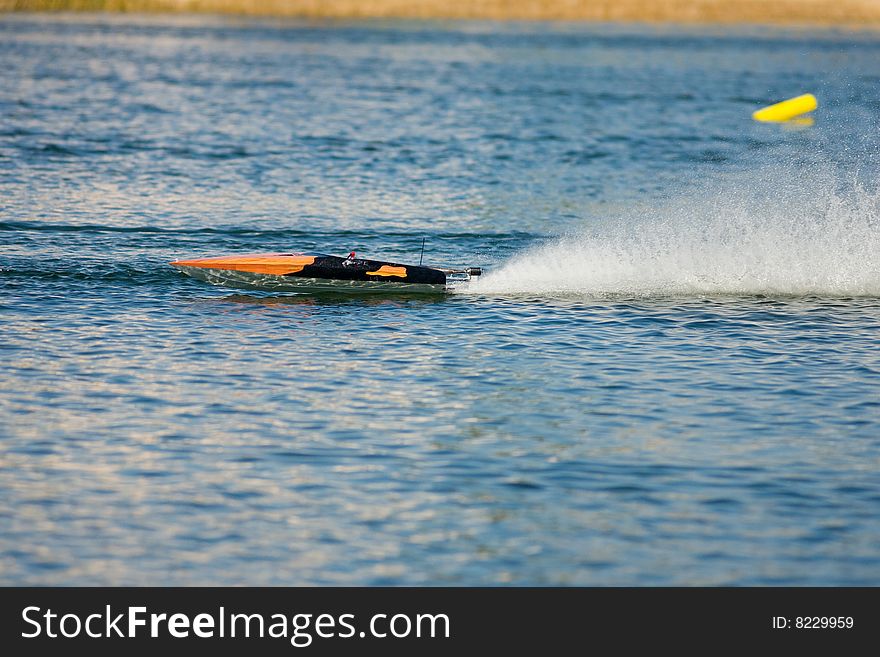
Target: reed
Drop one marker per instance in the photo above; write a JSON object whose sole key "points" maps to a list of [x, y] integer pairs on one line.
{"points": [[808, 12]]}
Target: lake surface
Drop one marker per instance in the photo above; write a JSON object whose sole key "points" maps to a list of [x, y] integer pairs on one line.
{"points": [[669, 375]]}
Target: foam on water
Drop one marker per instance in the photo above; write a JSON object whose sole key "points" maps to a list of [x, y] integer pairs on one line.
{"points": [[776, 231]]}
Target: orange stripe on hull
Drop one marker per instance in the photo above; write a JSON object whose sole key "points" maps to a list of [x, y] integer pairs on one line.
{"points": [[276, 263], [388, 270]]}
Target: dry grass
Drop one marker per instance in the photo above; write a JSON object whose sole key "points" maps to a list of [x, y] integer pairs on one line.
{"points": [[816, 12]]}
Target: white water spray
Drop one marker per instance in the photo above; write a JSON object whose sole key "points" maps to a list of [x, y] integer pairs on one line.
{"points": [[779, 232]]}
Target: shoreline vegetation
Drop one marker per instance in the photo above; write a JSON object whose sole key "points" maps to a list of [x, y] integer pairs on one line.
{"points": [[850, 13]]}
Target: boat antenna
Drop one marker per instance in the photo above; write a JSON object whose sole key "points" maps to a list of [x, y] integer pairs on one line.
{"points": [[422, 254]]}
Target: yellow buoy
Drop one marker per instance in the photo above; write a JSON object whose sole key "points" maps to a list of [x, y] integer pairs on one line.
{"points": [[787, 109]]}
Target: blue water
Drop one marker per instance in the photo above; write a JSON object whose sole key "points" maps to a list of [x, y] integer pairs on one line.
{"points": [[670, 374]]}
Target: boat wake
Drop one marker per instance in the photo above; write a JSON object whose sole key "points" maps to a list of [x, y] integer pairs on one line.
{"points": [[802, 235]]}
